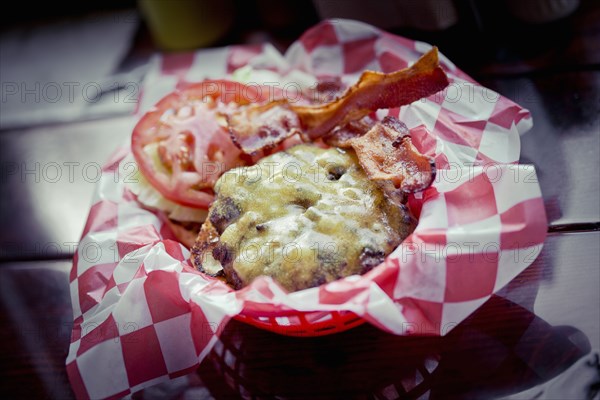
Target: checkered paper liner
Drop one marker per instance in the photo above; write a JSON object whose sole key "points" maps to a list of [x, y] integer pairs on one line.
{"points": [[143, 315]]}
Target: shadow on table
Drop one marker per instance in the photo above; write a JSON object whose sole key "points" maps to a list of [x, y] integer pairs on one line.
{"points": [[501, 349]]}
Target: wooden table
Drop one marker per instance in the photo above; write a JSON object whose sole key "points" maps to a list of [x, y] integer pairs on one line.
{"points": [[533, 330]]}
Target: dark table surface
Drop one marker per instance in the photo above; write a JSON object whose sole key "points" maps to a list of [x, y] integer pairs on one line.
{"points": [[533, 330]]}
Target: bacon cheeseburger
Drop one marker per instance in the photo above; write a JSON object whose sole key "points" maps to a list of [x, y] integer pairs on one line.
{"points": [[308, 214]]}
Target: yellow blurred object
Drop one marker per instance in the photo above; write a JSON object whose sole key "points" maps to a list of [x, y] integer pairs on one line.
{"points": [[186, 24]]}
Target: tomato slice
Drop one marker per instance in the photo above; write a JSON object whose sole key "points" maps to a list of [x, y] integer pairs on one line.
{"points": [[182, 147]]}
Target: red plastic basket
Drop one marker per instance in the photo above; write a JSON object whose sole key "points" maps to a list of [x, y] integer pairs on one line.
{"points": [[307, 324]]}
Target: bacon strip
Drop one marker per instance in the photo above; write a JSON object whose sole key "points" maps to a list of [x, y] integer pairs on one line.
{"points": [[387, 154], [263, 126], [374, 91], [340, 136]]}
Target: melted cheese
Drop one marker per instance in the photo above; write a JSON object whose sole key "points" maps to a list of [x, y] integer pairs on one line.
{"points": [[307, 216]]}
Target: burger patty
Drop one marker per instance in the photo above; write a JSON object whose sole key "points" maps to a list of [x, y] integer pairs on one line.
{"points": [[304, 217]]}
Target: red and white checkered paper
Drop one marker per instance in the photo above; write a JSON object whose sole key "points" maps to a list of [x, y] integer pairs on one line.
{"points": [[143, 315]]}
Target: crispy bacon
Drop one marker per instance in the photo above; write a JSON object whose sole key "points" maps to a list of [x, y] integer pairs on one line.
{"points": [[263, 126], [386, 153], [326, 90], [340, 136], [374, 91]]}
